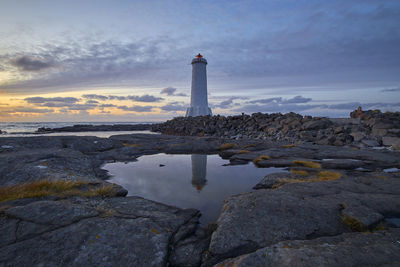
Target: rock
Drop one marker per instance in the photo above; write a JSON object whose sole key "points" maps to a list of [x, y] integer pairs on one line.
{"points": [[96, 128], [347, 164], [88, 232], [317, 124], [301, 210], [391, 141], [370, 142], [361, 217], [349, 249], [357, 136]]}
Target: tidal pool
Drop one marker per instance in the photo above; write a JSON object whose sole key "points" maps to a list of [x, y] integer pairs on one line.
{"points": [[186, 181]]}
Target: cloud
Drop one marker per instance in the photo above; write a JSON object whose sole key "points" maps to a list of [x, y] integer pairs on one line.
{"points": [[174, 106], [296, 100], [95, 96], [144, 98], [391, 90], [170, 91], [279, 100], [26, 63], [106, 106], [29, 110], [137, 108], [114, 97], [38, 100], [82, 106], [92, 102]]}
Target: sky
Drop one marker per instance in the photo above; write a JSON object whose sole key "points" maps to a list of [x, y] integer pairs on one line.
{"points": [[128, 60]]}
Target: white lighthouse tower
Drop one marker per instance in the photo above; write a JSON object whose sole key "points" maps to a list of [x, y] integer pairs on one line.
{"points": [[198, 99]]}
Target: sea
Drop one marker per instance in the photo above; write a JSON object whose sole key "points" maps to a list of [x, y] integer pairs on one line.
{"points": [[18, 129]]}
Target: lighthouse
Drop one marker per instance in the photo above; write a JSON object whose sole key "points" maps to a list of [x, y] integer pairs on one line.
{"points": [[198, 98]]}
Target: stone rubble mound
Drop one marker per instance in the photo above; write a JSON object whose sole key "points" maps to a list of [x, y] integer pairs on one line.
{"points": [[363, 128]]}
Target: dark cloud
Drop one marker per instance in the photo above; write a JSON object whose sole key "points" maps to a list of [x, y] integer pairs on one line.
{"points": [[92, 102], [144, 98], [26, 63], [391, 90], [95, 96], [38, 100], [170, 91], [137, 108]]}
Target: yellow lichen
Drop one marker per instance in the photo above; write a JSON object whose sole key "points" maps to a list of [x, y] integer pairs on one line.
{"points": [[155, 231], [262, 157], [289, 146], [243, 151], [328, 175], [308, 164], [353, 224], [227, 146], [249, 145], [46, 188]]}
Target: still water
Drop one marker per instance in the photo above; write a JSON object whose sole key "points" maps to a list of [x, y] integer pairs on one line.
{"points": [[187, 181]]}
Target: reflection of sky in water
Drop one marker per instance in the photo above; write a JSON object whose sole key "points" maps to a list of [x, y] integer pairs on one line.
{"points": [[186, 181]]}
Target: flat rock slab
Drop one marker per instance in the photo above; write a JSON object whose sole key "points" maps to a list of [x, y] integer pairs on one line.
{"points": [[127, 231], [350, 249], [302, 210]]}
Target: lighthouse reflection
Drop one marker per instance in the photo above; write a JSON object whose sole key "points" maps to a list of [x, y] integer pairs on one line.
{"points": [[199, 171]]}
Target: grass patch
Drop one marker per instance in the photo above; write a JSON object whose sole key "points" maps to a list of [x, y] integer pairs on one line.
{"points": [[227, 146], [299, 172], [249, 145], [289, 146], [328, 175], [353, 224], [243, 151], [45, 188], [308, 164], [321, 177], [260, 158]]}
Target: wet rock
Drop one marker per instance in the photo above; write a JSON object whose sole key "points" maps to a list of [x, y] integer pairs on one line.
{"points": [[349, 249]]}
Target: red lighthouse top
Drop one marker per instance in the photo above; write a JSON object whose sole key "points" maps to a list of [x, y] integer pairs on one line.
{"points": [[199, 56]]}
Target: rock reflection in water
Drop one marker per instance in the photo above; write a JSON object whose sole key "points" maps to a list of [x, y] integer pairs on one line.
{"points": [[199, 171], [186, 181]]}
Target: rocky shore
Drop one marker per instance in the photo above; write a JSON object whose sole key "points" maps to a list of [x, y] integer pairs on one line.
{"points": [[335, 204], [96, 128], [363, 128]]}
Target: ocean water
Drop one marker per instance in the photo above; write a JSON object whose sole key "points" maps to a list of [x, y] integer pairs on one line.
{"points": [[17, 129], [187, 181]]}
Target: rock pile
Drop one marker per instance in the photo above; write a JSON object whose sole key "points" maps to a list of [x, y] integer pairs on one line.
{"points": [[369, 128]]}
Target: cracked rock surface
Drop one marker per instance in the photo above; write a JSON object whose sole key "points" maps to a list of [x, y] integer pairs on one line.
{"points": [[128, 231]]}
